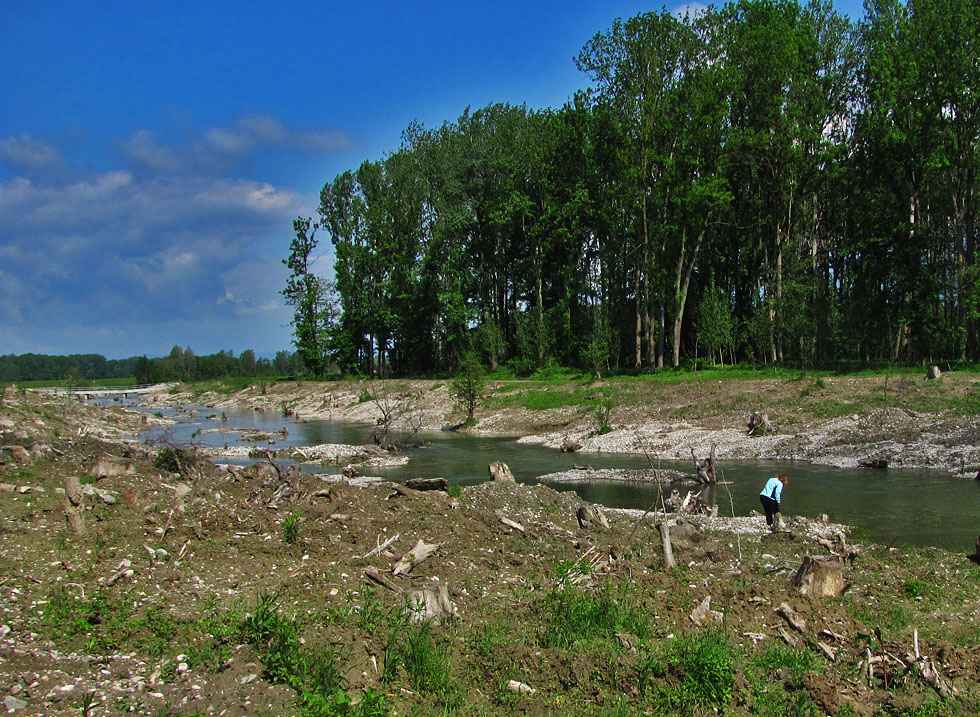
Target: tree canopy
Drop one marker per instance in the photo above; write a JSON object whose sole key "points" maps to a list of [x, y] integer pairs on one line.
{"points": [[806, 181]]}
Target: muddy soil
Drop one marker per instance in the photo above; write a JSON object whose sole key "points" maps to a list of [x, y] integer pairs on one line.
{"points": [[156, 609]]}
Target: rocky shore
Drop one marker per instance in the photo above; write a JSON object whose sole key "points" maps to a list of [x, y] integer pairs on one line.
{"points": [[837, 422]]}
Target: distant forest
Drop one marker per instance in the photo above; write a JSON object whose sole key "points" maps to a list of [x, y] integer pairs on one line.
{"points": [[765, 182], [179, 365]]}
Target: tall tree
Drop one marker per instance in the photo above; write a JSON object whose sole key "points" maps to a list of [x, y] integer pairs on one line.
{"points": [[307, 293]]}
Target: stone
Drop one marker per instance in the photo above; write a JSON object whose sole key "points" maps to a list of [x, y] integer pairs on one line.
{"points": [[13, 703]]}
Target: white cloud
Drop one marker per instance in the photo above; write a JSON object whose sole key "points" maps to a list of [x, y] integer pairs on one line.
{"points": [[143, 148], [27, 152], [259, 196], [256, 130], [217, 149]]}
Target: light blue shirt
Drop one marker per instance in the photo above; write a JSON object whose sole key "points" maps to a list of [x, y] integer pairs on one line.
{"points": [[773, 489]]}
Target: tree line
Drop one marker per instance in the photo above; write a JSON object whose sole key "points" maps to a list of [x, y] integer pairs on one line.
{"points": [[766, 182], [179, 365]]}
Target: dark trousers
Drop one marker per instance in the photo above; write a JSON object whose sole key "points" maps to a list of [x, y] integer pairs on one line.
{"points": [[770, 506]]}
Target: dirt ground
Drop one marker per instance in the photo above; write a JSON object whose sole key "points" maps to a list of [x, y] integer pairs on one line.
{"points": [[200, 589]]}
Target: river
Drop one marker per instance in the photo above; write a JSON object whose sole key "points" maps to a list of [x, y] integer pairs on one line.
{"points": [[893, 506]]}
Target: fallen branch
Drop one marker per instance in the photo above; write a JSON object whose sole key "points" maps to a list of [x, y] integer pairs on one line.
{"points": [[508, 522], [380, 546], [372, 573]]}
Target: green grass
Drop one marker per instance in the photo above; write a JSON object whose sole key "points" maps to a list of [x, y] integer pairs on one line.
{"points": [[290, 529], [706, 664], [573, 616], [315, 673], [414, 652]]}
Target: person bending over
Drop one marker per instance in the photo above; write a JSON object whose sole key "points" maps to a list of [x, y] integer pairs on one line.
{"points": [[770, 497]]}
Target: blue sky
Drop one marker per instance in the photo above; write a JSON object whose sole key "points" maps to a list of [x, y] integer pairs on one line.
{"points": [[153, 155]]}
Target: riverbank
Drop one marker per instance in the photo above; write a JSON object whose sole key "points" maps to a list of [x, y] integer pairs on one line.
{"points": [[197, 589], [907, 421]]}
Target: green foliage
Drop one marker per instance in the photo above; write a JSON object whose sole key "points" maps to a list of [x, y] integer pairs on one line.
{"points": [[777, 656], [601, 408], [101, 623], [311, 298], [290, 529], [914, 588], [171, 459]]}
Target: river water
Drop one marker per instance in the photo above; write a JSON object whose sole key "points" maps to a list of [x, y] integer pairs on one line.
{"points": [[893, 506]]}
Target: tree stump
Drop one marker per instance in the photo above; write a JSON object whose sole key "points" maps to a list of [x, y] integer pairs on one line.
{"points": [[591, 516], [820, 576], [570, 446], [707, 468], [759, 425], [500, 472], [74, 506], [934, 373], [428, 602], [665, 541]]}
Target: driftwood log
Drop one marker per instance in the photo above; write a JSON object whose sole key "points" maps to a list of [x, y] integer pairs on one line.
{"points": [[427, 483], [875, 463], [707, 468], [820, 576], [413, 557], [508, 522]]}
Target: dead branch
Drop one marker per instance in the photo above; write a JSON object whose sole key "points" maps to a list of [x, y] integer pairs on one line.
{"points": [[794, 620], [372, 573], [509, 523], [381, 546]]}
